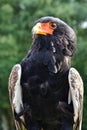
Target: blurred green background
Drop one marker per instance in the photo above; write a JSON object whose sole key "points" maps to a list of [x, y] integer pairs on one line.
{"points": [[16, 21]]}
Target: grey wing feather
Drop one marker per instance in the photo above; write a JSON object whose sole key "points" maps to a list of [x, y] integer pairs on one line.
{"points": [[15, 94], [76, 96]]}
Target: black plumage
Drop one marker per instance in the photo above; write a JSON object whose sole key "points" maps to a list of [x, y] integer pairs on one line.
{"points": [[45, 86], [41, 90]]}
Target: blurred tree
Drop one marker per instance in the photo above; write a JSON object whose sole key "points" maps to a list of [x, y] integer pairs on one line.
{"points": [[8, 57], [16, 21]]}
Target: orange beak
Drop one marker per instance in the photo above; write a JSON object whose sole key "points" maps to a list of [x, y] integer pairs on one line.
{"points": [[43, 28]]}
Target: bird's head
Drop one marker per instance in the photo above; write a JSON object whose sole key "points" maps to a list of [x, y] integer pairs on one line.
{"points": [[54, 30]]}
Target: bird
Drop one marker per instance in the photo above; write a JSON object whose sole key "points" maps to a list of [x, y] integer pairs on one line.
{"points": [[45, 91]]}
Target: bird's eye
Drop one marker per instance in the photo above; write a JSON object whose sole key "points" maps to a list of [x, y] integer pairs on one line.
{"points": [[53, 25]]}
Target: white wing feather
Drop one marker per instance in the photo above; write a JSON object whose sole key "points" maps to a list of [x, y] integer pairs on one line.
{"points": [[17, 100], [76, 96], [15, 94]]}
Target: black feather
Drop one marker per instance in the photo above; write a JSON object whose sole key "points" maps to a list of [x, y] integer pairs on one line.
{"points": [[45, 78]]}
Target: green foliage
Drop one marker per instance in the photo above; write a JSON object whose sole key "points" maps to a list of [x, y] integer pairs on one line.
{"points": [[16, 21], [8, 57]]}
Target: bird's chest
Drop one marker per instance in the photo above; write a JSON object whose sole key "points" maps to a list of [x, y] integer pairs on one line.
{"points": [[45, 60], [48, 91], [43, 88], [45, 101], [43, 94]]}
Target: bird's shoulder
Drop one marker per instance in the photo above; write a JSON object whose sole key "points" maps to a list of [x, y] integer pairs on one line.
{"points": [[75, 80], [76, 92]]}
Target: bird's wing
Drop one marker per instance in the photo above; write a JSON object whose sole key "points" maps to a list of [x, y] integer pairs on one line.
{"points": [[76, 96], [15, 95]]}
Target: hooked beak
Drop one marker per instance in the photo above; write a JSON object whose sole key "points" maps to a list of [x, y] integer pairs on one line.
{"points": [[42, 28]]}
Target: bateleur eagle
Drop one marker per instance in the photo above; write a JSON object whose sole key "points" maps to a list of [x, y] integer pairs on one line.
{"points": [[45, 92]]}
